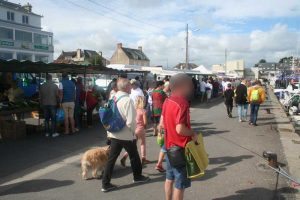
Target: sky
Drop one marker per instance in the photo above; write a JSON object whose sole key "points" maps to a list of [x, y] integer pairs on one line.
{"points": [[248, 29]]}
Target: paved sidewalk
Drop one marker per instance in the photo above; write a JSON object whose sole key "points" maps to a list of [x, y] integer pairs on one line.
{"points": [[289, 139], [37, 168]]}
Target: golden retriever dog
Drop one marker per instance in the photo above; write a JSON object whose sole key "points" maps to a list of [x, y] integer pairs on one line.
{"points": [[94, 159]]}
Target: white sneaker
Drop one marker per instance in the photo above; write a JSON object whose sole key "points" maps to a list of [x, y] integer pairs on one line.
{"points": [[47, 134], [54, 135]]}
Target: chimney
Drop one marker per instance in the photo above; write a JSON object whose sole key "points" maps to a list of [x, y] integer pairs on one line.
{"points": [[140, 48], [119, 45], [28, 7], [78, 54]]}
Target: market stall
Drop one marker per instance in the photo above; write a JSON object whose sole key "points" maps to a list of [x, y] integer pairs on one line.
{"points": [[12, 112]]}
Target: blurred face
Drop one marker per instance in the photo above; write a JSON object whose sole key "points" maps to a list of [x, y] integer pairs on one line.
{"points": [[186, 89], [128, 88]]}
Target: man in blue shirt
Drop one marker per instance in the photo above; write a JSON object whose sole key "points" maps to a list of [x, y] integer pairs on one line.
{"points": [[67, 100]]}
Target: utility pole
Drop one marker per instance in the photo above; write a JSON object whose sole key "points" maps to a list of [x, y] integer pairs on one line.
{"points": [[225, 64], [187, 47]]}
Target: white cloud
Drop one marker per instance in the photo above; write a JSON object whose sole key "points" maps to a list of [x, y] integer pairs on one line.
{"points": [[272, 44], [158, 26]]}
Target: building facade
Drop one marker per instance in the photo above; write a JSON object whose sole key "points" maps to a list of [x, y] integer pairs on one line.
{"points": [[21, 35], [232, 68], [82, 57], [128, 56]]}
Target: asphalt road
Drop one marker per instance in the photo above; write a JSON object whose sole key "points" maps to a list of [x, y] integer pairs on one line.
{"points": [[37, 168]]}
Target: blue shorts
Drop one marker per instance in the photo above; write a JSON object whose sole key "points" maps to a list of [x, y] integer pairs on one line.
{"points": [[163, 149], [178, 175]]}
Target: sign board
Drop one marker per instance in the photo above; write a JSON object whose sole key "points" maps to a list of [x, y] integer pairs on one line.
{"points": [[41, 47], [6, 43]]}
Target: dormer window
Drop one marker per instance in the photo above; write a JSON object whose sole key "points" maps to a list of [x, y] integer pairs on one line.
{"points": [[10, 16], [25, 19]]}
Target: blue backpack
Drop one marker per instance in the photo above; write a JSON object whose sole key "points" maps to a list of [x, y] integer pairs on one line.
{"points": [[110, 116]]}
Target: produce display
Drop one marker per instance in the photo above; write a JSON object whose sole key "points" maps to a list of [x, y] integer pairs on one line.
{"points": [[25, 104]]}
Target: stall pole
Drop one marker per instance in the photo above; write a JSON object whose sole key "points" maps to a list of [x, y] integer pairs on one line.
{"points": [[39, 82]]}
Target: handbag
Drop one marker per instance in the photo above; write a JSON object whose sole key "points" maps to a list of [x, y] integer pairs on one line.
{"points": [[176, 156]]}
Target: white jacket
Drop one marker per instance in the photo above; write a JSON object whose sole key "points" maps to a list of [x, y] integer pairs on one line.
{"points": [[128, 112]]}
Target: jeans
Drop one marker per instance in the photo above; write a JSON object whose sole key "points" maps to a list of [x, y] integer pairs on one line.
{"points": [[254, 113], [229, 109], [178, 175], [50, 114], [89, 117], [116, 147], [78, 116], [242, 111]]}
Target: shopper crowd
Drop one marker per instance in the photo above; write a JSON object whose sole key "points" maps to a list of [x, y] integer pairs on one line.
{"points": [[77, 103], [164, 105]]}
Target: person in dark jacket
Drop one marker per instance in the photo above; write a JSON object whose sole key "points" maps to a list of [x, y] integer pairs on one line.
{"points": [[241, 100], [229, 95]]}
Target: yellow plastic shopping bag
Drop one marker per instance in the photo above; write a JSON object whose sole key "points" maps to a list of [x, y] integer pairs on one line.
{"points": [[196, 158]]}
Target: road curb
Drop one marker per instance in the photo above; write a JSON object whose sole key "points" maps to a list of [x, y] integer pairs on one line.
{"points": [[291, 149]]}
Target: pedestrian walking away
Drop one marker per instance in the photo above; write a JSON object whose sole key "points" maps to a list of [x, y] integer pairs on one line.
{"points": [[125, 138], [208, 89], [141, 123], [242, 100], [49, 100], [158, 98], [228, 96], [136, 90], [202, 89], [67, 102], [256, 96], [176, 123]]}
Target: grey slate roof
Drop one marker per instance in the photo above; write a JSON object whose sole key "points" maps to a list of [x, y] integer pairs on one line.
{"points": [[191, 66], [14, 6], [135, 54]]}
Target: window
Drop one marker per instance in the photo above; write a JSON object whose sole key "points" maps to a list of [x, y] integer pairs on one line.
{"points": [[24, 56], [50, 41], [40, 39], [6, 56], [6, 33], [23, 36], [10, 16], [41, 58], [25, 19]]}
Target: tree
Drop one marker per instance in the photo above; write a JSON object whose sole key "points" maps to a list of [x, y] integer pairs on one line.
{"points": [[96, 60], [262, 61]]}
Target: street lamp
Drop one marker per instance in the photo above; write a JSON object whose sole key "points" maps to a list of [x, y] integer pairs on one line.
{"points": [[187, 45]]}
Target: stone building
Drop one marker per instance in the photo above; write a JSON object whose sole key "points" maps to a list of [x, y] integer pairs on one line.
{"points": [[128, 56], [82, 57]]}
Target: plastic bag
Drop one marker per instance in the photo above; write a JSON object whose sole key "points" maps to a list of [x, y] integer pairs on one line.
{"points": [[160, 140], [196, 155], [60, 115]]}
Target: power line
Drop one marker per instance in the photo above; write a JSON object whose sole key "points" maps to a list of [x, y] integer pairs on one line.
{"points": [[99, 13], [122, 14]]}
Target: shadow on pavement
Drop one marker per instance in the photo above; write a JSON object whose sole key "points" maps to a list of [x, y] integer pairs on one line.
{"points": [[37, 151], [208, 105], [161, 178], [210, 132], [223, 162], [33, 186], [260, 193]]}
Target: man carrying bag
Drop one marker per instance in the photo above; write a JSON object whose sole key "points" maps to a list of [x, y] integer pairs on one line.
{"points": [[176, 122]]}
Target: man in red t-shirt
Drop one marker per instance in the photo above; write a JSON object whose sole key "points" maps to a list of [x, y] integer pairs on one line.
{"points": [[176, 122]]}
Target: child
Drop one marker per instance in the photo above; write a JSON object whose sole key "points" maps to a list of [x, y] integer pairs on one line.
{"points": [[141, 123], [228, 95]]}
